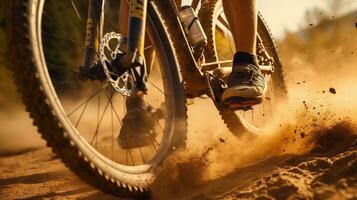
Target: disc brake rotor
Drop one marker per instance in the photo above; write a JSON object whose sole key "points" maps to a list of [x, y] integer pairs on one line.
{"points": [[109, 50]]}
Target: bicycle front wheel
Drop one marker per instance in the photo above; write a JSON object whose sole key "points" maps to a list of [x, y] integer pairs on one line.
{"points": [[81, 121]]}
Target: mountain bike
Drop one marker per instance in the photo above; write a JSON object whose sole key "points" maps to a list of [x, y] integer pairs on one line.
{"points": [[75, 70]]}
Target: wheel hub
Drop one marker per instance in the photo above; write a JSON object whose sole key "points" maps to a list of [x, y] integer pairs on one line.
{"points": [[123, 82]]}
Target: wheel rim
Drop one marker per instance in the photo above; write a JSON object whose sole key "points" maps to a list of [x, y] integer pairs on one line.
{"points": [[61, 98]]}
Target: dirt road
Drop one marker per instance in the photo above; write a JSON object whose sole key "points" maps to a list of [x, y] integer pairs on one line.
{"points": [[328, 171], [38, 174], [311, 155]]}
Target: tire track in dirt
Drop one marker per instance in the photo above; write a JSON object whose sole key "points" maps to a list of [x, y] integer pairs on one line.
{"points": [[39, 174]]}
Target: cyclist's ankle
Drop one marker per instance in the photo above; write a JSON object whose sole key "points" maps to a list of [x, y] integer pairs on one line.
{"points": [[243, 58]]}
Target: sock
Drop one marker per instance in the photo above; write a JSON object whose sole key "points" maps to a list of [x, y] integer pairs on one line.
{"points": [[244, 58]]}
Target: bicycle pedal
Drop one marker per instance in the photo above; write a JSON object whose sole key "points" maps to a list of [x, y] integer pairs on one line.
{"points": [[241, 108], [240, 103]]}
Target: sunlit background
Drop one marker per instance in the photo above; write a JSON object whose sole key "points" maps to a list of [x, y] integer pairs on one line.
{"points": [[291, 15], [283, 15], [307, 31]]}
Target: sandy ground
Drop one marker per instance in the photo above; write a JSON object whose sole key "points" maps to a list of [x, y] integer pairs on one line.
{"points": [[38, 174], [310, 152], [329, 171]]}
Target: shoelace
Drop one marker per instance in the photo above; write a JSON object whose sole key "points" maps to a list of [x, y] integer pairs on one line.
{"points": [[254, 75]]}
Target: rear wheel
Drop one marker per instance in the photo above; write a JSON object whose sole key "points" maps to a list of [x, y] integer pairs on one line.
{"points": [[221, 47], [81, 120]]}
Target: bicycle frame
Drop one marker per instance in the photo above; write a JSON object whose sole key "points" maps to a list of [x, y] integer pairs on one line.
{"points": [[193, 77], [194, 80]]}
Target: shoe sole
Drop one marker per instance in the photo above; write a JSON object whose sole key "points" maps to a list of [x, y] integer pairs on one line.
{"points": [[241, 102]]}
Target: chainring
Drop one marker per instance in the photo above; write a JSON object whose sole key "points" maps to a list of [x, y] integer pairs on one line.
{"points": [[109, 51]]}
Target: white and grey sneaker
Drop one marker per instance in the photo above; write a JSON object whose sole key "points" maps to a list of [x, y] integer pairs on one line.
{"points": [[246, 86]]}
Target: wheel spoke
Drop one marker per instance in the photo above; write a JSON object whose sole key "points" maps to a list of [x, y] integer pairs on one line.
{"points": [[157, 120], [64, 82], [152, 142], [99, 123], [80, 117], [128, 151], [98, 119], [151, 83], [105, 15], [112, 106], [61, 38], [223, 22], [76, 10], [63, 68], [149, 47], [89, 98], [64, 50], [142, 156], [131, 156], [68, 37], [112, 129], [157, 143]]}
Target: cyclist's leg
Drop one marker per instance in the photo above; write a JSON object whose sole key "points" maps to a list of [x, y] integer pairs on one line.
{"points": [[123, 16], [246, 82], [242, 17], [178, 3]]}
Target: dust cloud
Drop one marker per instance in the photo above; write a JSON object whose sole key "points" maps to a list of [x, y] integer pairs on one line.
{"points": [[320, 111]]}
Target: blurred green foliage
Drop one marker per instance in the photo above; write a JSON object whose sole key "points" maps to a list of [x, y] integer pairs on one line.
{"points": [[63, 42], [63, 37], [2, 34], [63, 33], [7, 87]]}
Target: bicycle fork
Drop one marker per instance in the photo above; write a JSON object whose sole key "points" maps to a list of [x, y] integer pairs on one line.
{"points": [[136, 32], [93, 19], [133, 59]]}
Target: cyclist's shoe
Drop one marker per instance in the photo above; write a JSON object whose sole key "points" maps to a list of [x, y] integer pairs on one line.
{"points": [[139, 125], [246, 85]]}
